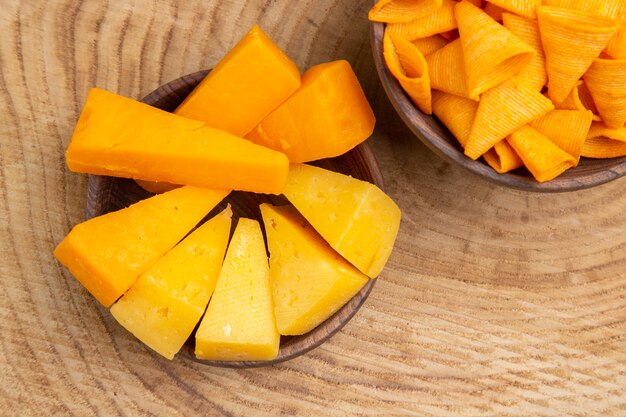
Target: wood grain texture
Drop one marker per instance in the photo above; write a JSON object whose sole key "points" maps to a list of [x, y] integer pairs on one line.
{"points": [[589, 173], [495, 302]]}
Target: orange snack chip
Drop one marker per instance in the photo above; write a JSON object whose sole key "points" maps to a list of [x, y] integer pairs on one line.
{"points": [[400, 11]]}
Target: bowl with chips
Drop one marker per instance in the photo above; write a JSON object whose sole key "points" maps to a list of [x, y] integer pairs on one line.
{"points": [[529, 96]]}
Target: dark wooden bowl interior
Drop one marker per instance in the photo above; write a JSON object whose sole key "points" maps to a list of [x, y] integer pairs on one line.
{"points": [[106, 194], [589, 173]]}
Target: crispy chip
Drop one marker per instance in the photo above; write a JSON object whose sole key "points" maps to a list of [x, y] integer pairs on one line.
{"points": [[617, 45], [441, 20], [571, 40], [495, 12], [526, 8], [543, 158], [528, 31], [567, 129], [408, 65], [491, 53], [599, 129], [401, 11], [579, 99], [447, 71], [501, 111], [602, 147], [430, 44], [604, 8], [457, 113], [503, 158], [606, 80]]}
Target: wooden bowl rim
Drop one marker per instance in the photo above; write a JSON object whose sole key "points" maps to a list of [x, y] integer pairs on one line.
{"points": [[572, 180], [296, 345]]}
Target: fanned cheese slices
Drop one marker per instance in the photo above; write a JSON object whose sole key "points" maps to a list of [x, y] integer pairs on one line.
{"points": [[571, 40], [408, 65], [501, 111], [491, 53], [528, 31], [543, 158], [439, 21], [567, 129], [399, 11], [602, 147], [503, 158], [447, 70], [579, 99], [457, 113], [430, 44], [526, 8], [606, 80]]}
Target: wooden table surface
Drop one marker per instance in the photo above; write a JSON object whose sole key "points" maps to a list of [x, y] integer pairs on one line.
{"points": [[494, 302]]}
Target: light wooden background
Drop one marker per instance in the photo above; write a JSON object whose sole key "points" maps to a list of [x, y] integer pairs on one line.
{"points": [[494, 302]]}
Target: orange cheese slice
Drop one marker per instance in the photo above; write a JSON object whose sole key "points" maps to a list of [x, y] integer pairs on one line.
{"points": [[239, 324], [108, 253], [120, 137], [164, 305], [250, 81], [326, 117]]}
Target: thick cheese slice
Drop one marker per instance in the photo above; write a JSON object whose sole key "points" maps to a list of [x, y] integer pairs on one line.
{"points": [[310, 281], [248, 83], [121, 137], [162, 308], [355, 217], [239, 323], [108, 253]]}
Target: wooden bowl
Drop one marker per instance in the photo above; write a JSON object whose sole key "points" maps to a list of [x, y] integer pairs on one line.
{"points": [[106, 194], [589, 173]]}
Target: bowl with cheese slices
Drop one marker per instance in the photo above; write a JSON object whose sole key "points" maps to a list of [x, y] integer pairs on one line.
{"points": [[232, 222]]}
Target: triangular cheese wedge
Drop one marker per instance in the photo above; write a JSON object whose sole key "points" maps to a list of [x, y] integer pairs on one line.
{"points": [[606, 80], [239, 323], [571, 40], [108, 253], [400, 11], [407, 64], [491, 53], [121, 137], [447, 69], [526, 8], [501, 111], [162, 308], [543, 158], [355, 217], [310, 281], [567, 129]]}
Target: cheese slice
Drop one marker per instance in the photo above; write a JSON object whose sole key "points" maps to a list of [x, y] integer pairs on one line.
{"points": [[239, 323], [355, 217], [310, 281], [162, 308], [108, 253]]}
